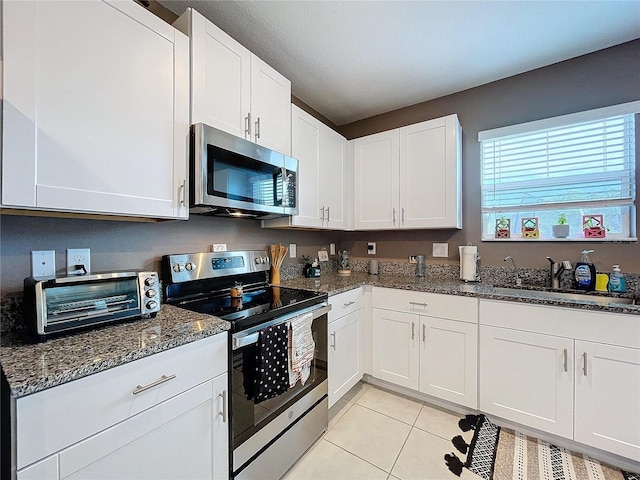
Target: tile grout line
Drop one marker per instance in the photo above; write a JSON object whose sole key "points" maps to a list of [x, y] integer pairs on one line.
{"points": [[358, 457]]}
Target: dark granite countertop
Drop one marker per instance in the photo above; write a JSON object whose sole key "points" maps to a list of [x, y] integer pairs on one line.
{"points": [[333, 284], [31, 367]]}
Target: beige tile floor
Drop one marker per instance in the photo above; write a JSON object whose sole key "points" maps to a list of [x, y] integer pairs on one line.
{"points": [[376, 434]]}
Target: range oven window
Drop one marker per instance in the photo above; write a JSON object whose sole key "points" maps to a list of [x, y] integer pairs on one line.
{"points": [[249, 417], [66, 303]]}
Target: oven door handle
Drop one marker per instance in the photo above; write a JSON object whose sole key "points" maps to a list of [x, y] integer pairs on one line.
{"points": [[242, 339]]}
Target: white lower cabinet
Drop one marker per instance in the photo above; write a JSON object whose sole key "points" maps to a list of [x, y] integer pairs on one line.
{"points": [[607, 408], [107, 426], [345, 343], [526, 377], [573, 373], [425, 342]]}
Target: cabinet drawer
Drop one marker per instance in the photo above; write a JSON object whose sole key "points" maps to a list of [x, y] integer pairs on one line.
{"points": [[61, 416], [452, 307], [345, 303]]}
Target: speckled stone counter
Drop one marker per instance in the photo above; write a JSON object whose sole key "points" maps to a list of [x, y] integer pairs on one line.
{"points": [[333, 284], [31, 367]]}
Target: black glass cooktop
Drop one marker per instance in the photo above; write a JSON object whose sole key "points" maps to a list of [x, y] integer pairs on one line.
{"points": [[255, 306]]}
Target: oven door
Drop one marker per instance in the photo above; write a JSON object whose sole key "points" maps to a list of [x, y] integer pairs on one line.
{"points": [[254, 425]]}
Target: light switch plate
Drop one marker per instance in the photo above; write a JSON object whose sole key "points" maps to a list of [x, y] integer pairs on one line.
{"points": [[332, 249], [441, 250], [219, 247], [293, 250], [43, 263]]}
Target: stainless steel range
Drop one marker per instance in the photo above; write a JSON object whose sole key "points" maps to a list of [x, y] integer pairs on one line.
{"points": [[269, 428]]}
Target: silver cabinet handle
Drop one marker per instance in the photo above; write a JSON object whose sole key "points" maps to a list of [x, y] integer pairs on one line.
{"points": [[161, 380], [247, 126], [564, 359], [394, 216], [183, 193], [327, 214], [424, 334], [333, 336], [413, 330], [223, 412], [349, 304], [584, 363], [425, 305], [322, 210], [403, 215], [258, 129]]}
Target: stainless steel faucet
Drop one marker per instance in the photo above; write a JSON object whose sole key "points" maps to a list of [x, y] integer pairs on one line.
{"points": [[518, 280], [556, 270]]}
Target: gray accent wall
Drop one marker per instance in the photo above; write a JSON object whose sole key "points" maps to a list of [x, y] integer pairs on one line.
{"points": [[600, 79]]}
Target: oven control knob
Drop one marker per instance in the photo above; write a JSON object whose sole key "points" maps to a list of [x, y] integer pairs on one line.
{"points": [[152, 304], [258, 260], [190, 266], [150, 281], [178, 268], [150, 293]]}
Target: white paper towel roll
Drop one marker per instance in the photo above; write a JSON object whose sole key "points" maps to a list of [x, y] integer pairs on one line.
{"points": [[469, 263]]}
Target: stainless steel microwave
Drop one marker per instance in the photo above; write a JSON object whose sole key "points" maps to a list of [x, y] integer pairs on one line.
{"points": [[233, 177]]}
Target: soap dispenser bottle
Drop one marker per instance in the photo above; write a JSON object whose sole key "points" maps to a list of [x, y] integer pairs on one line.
{"points": [[617, 283], [585, 272]]}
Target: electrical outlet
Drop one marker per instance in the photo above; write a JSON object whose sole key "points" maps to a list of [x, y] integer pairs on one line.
{"points": [[78, 261], [293, 250], [413, 259], [371, 248], [43, 263], [219, 247]]}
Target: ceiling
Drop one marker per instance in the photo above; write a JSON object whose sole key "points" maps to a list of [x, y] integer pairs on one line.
{"points": [[350, 60]]}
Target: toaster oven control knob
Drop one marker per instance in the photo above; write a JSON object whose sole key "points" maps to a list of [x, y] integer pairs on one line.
{"points": [[150, 281], [178, 268], [152, 304], [150, 293], [190, 266], [258, 260]]}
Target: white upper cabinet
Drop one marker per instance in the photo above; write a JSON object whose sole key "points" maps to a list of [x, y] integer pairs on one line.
{"points": [[410, 177], [95, 109], [234, 90], [322, 170]]}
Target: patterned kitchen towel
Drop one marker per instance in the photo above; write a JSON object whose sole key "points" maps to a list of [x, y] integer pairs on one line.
{"points": [[301, 348], [272, 376]]}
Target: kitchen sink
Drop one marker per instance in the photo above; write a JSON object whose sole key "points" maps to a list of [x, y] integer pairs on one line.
{"points": [[552, 295]]}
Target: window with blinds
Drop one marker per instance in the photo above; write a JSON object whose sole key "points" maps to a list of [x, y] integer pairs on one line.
{"points": [[576, 165]]}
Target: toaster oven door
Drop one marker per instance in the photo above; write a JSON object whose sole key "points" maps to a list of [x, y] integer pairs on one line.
{"points": [[79, 304]]}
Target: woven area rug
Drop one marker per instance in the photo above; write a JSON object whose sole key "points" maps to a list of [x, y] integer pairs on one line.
{"points": [[497, 453]]}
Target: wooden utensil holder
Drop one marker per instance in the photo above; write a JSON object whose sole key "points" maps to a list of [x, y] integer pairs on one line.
{"points": [[275, 276]]}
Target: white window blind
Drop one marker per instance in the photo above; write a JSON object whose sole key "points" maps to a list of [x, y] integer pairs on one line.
{"points": [[561, 165]]}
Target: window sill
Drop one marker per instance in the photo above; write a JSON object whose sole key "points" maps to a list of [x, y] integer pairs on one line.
{"points": [[518, 238]]}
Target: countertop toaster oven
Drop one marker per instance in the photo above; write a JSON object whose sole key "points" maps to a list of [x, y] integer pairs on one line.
{"points": [[54, 305]]}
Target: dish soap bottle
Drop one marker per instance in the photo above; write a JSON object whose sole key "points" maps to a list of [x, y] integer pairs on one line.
{"points": [[585, 272], [617, 283]]}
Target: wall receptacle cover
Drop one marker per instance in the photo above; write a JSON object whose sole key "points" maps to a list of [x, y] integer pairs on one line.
{"points": [[78, 261], [440, 249], [43, 263], [371, 248]]}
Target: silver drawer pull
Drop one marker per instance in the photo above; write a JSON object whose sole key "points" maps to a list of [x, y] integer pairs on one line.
{"points": [[223, 412], [349, 304], [413, 330], [584, 363], [565, 359], [161, 380], [424, 333], [414, 304]]}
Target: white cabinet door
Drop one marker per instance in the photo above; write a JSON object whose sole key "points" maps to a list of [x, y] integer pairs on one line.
{"points": [[607, 408], [46, 469], [395, 347], [333, 180], [220, 76], [527, 378], [220, 428], [376, 181], [172, 440], [430, 174], [270, 107], [305, 147], [95, 110], [448, 360], [345, 355]]}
